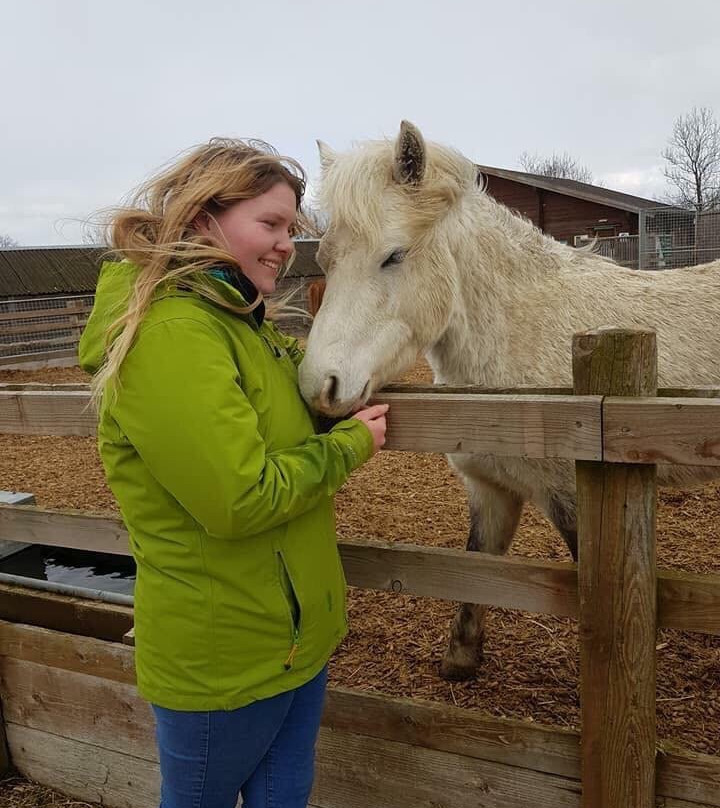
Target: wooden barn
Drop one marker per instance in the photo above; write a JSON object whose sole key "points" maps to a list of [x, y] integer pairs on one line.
{"points": [[567, 210], [576, 213]]}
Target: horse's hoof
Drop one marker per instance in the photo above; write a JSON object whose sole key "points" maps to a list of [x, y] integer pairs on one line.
{"points": [[458, 671]]}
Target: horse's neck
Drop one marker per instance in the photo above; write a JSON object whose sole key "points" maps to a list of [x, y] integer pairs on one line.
{"points": [[470, 350], [463, 357], [498, 258]]}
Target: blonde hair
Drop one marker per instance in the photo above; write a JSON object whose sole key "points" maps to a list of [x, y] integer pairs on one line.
{"points": [[156, 232]]}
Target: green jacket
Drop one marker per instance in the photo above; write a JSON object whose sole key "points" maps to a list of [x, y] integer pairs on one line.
{"points": [[227, 494]]}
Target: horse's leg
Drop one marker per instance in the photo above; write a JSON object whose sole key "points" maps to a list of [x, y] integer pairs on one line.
{"points": [[494, 516], [561, 512]]}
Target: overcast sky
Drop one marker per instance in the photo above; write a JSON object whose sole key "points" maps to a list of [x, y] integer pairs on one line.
{"points": [[97, 95]]}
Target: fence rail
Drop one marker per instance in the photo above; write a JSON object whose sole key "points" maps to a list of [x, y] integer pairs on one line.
{"points": [[686, 601], [616, 429]]}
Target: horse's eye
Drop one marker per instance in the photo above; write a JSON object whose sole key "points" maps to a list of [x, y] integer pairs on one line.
{"points": [[396, 257]]}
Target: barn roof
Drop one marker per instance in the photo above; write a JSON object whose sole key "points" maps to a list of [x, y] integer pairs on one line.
{"points": [[35, 271], [580, 190], [30, 271]]}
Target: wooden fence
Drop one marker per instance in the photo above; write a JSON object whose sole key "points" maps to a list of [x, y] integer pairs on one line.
{"points": [[43, 330], [74, 721]]}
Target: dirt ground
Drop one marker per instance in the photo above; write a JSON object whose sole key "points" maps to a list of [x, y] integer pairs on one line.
{"points": [[396, 642]]}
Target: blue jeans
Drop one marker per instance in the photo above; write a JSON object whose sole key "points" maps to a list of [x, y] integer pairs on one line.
{"points": [[264, 751]]}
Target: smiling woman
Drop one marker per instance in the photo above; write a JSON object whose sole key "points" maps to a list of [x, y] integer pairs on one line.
{"points": [[256, 232], [224, 485]]}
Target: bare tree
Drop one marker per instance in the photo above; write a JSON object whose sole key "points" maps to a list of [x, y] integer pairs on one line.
{"points": [[563, 166], [6, 242], [312, 224], [693, 160]]}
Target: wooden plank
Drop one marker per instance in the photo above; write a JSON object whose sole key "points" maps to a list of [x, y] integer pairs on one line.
{"points": [[92, 618], [84, 771], [547, 587], [11, 347], [684, 431], [40, 328], [79, 695], [34, 387], [452, 729], [686, 601], [74, 529], [689, 392], [354, 771], [43, 413], [688, 776], [516, 426], [689, 601], [105, 713], [524, 390], [34, 314], [445, 389], [40, 359], [111, 661], [525, 426], [616, 507]]}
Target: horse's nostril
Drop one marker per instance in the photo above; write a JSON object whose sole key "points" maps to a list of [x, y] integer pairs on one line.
{"points": [[329, 391]]}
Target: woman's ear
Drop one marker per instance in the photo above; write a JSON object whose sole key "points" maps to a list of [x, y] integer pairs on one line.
{"points": [[201, 224]]}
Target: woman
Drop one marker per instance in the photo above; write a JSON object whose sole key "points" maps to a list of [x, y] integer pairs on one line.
{"points": [[223, 483]]}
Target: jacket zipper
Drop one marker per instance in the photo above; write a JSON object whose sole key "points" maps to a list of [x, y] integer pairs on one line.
{"points": [[291, 656], [295, 626]]}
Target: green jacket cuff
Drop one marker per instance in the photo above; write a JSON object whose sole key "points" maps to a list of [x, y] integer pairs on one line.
{"points": [[357, 437]]}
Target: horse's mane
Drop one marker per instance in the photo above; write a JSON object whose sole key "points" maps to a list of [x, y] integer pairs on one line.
{"points": [[354, 184]]}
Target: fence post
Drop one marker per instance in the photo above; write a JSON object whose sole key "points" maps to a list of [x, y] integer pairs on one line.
{"points": [[642, 239], [617, 586]]}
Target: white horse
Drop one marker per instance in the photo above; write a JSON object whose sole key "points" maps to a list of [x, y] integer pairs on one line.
{"points": [[419, 259]]}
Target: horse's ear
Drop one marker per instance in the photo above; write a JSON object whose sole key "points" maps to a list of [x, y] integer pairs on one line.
{"points": [[327, 155], [409, 164]]}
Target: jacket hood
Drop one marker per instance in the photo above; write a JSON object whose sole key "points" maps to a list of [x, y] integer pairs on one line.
{"points": [[115, 283]]}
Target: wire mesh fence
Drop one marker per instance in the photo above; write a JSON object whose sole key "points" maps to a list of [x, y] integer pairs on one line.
{"points": [[667, 238], [42, 325], [672, 237]]}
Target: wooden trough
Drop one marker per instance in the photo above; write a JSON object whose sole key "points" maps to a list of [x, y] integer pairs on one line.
{"points": [[73, 719]]}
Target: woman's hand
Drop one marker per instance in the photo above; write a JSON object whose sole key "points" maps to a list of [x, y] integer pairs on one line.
{"points": [[375, 420]]}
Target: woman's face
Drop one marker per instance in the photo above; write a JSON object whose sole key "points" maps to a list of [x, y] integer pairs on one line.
{"points": [[256, 232]]}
